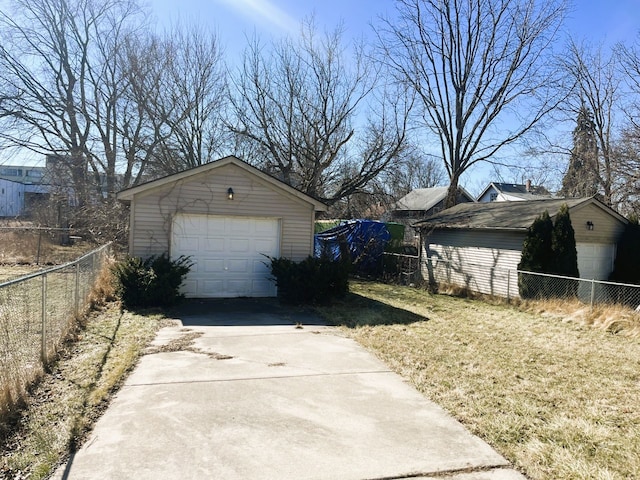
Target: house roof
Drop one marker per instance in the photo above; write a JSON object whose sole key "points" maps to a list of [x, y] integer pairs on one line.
{"points": [[516, 190], [128, 194], [426, 198], [505, 215]]}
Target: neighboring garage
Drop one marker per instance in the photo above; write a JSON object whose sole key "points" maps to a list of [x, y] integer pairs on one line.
{"points": [[228, 217], [479, 245]]}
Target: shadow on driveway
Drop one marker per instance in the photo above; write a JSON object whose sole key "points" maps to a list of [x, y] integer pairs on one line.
{"points": [[242, 312]]}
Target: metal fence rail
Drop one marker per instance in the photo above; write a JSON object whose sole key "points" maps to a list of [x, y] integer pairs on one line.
{"points": [[36, 313], [400, 268], [511, 283]]}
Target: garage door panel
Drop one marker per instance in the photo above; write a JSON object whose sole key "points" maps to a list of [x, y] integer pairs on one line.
{"points": [[238, 265], [212, 265], [228, 254], [214, 245], [189, 244], [211, 288], [265, 227], [240, 226], [240, 245], [264, 245]]}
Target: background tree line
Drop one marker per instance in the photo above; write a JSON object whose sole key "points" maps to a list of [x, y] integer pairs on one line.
{"points": [[444, 86]]}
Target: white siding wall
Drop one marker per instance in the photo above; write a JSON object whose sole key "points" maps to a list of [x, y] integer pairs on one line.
{"points": [[152, 211], [11, 198], [483, 261]]}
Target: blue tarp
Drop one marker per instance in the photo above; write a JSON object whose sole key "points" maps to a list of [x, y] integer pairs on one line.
{"points": [[366, 240]]}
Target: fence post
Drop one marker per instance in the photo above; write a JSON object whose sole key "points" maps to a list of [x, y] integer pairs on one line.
{"points": [[77, 299], [43, 346], [593, 291]]}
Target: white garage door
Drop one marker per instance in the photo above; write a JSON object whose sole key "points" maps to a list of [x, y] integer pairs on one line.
{"points": [[595, 260], [228, 254]]}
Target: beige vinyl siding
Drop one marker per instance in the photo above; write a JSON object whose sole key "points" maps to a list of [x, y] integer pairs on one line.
{"points": [[482, 261], [206, 194], [606, 228]]}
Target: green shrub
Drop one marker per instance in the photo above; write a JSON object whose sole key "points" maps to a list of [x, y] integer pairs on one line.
{"points": [[549, 247], [154, 282], [537, 256], [311, 281], [565, 254]]}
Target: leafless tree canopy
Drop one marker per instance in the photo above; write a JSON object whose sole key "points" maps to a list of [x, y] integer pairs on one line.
{"points": [[479, 68], [297, 106]]}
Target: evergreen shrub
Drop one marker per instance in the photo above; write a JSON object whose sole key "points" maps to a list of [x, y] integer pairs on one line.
{"points": [[154, 282], [313, 281], [536, 257]]}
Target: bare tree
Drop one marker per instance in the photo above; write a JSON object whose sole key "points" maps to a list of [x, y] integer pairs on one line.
{"points": [[60, 55], [298, 106], [479, 69], [193, 100], [597, 91]]}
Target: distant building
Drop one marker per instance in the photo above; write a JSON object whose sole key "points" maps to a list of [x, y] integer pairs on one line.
{"points": [[421, 203], [512, 192]]}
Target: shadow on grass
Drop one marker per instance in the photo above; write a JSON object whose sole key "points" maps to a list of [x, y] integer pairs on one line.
{"points": [[356, 311]]}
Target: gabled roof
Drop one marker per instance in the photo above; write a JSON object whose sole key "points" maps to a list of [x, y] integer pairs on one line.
{"points": [[516, 190], [128, 194], [506, 215], [423, 199]]}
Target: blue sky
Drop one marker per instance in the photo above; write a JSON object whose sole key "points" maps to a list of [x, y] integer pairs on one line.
{"points": [[595, 20]]}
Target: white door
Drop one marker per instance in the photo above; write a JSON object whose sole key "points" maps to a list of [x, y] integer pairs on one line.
{"points": [[228, 254], [595, 260]]}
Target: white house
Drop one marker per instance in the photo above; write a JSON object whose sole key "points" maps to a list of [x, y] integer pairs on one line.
{"points": [[512, 192]]}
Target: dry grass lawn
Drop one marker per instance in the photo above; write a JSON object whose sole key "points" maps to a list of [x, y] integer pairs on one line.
{"points": [[557, 396], [63, 406]]}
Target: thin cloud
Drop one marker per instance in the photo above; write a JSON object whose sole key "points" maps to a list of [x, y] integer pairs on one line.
{"points": [[264, 11]]}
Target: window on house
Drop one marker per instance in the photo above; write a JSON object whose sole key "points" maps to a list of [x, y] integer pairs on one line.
{"points": [[35, 173], [493, 197], [3, 191], [11, 172]]}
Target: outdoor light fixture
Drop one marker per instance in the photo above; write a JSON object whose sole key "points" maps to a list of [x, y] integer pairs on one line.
{"points": [[589, 225], [230, 193]]}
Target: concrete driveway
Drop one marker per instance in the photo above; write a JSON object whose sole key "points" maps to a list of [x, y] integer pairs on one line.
{"points": [[266, 392]]}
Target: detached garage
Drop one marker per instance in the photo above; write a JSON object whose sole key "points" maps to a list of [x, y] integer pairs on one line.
{"points": [[228, 217], [479, 245]]}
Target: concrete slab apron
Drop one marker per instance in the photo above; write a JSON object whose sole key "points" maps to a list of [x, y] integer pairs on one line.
{"points": [[275, 402]]}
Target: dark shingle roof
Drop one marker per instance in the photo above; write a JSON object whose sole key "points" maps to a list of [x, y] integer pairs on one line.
{"points": [[426, 198], [500, 215]]}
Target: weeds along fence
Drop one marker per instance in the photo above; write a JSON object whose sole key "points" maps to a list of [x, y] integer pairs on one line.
{"points": [[512, 283], [400, 268], [39, 245], [36, 314]]}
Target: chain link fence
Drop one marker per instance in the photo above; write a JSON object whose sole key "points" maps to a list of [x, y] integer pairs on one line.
{"points": [[401, 269], [36, 314], [511, 283]]}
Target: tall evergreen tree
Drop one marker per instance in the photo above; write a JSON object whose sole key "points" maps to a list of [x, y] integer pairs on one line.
{"points": [[537, 252], [581, 179], [563, 245]]}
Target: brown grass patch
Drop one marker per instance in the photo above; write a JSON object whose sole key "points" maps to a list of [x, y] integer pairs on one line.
{"points": [[553, 394], [61, 409]]}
